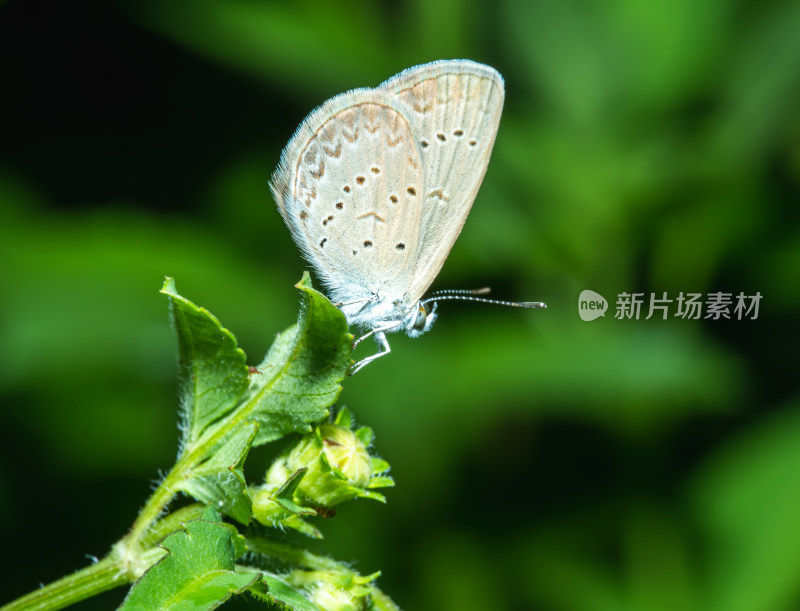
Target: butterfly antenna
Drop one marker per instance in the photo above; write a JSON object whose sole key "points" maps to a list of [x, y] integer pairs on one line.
{"points": [[461, 297], [481, 291]]}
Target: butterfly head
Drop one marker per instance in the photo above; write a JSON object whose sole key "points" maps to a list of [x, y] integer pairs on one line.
{"points": [[419, 319]]}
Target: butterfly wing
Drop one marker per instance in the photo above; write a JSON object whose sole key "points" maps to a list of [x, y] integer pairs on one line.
{"points": [[453, 109], [349, 186]]}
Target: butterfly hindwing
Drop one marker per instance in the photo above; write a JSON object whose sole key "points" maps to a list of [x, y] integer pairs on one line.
{"points": [[350, 188]]}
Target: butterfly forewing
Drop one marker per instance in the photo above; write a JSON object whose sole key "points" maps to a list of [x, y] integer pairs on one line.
{"points": [[453, 108]]}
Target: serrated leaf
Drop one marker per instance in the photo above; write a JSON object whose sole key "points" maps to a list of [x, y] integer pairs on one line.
{"points": [[220, 480], [285, 596], [197, 573], [213, 374], [303, 369], [300, 380]]}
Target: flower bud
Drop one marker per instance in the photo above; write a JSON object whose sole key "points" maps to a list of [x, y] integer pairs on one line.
{"points": [[347, 453], [338, 466], [335, 590], [325, 468], [330, 598]]}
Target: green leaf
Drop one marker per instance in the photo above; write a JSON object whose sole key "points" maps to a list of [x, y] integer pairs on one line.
{"points": [[365, 434], [381, 481], [285, 596], [375, 496], [198, 572], [284, 496], [344, 418], [300, 378], [212, 370], [296, 522], [220, 480], [280, 507], [379, 465], [302, 371]]}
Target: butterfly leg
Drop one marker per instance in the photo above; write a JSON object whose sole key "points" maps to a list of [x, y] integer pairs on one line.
{"points": [[380, 339], [375, 332]]}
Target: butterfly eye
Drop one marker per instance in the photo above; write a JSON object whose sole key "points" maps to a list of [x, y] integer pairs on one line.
{"points": [[422, 316]]}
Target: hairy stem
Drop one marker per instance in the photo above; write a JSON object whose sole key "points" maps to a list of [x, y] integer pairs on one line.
{"points": [[101, 576]]}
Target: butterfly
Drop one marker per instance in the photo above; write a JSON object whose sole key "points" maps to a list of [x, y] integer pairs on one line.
{"points": [[376, 184]]}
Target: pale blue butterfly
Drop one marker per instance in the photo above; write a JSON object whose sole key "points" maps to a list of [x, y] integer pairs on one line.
{"points": [[375, 186]]}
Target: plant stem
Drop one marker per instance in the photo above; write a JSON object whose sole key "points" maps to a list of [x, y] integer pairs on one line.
{"points": [[117, 569], [191, 456], [294, 555], [160, 498], [106, 574]]}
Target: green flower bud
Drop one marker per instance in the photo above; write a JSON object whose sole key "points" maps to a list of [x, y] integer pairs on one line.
{"points": [[338, 466], [334, 590], [347, 453], [330, 598], [325, 468], [278, 473]]}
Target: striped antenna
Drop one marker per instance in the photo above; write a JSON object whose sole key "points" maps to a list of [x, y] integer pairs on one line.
{"points": [[481, 291], [466, 295]]}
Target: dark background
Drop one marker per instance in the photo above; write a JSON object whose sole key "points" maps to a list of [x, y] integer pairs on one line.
{"points": [[541, 462]]}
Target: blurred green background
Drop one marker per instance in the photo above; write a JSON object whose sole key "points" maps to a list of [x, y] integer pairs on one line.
{"points": [[542, 462]]}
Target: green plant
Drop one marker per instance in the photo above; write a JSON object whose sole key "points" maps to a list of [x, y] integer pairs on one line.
{"points": [[189, 558]]}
